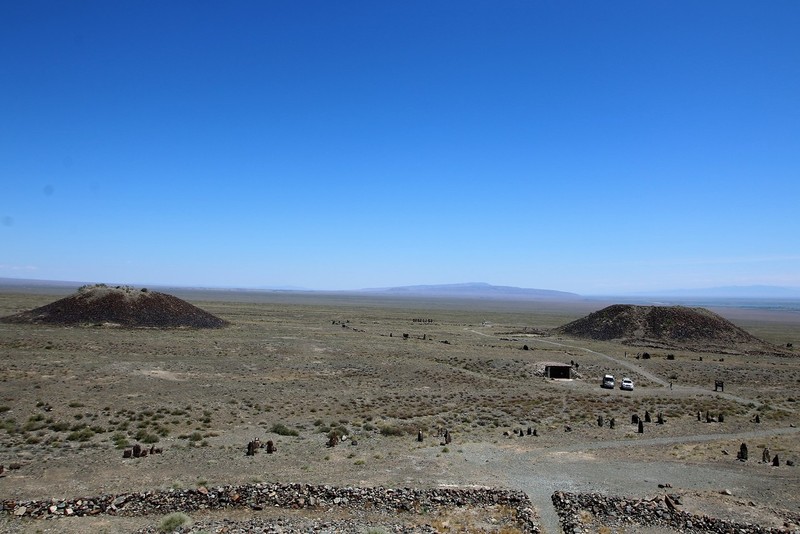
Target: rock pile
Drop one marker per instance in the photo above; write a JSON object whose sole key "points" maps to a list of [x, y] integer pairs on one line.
{"points": [[295, 525], [657, 512], [290, 496]]}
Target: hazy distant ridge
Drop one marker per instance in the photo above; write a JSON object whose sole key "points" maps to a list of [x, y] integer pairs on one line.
{"points": [[465, 290], [475, 290]]}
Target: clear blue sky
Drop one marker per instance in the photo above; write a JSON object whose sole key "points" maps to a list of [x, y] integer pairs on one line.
{"points": [[595, 147]]}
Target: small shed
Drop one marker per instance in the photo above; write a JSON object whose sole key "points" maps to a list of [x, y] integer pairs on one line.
{"points": [[557, 370]]}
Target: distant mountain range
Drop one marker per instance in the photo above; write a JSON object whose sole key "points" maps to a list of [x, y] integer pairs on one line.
{"points": [[478, 290]]}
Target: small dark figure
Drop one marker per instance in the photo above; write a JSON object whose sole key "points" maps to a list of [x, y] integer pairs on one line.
{"points": [[612, 423], [419, 436], [660, 419], [127, 453], [634, 419], [641, 427], [599, 420], [647, 418], [698, 415], [137, 450], [765, 457], [758, 418], [775, 461], [271, 447], [529, 431], [742, 456], [721, 418]]}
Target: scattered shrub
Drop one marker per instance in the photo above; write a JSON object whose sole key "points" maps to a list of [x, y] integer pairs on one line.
{"points": [[283, 430], [59, 426], [173, 521], [120, 441], [146, 437], [84, 434], [392, 430], [339, 432]]}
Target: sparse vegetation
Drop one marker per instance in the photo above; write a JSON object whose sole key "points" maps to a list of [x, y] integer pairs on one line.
{"points": [[203, 395], [392, 430], [283, 430], [172, 522]]}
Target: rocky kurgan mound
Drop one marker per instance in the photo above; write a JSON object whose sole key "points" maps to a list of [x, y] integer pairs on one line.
{"points": [[119, 306], [666, 327]]}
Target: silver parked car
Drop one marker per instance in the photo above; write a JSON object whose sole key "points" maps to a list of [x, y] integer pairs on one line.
{"points": [[608, 382]]}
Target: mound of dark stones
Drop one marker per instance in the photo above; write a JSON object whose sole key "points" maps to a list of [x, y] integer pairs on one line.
{"points": [[662, 326], [289, 496], [119, 306], [661, 511]]}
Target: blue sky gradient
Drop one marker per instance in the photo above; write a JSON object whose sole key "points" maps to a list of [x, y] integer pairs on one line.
{"points": [[594, 147]]}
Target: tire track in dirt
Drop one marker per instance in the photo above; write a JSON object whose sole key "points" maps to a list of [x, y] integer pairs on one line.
{"points": [[655, 378]]}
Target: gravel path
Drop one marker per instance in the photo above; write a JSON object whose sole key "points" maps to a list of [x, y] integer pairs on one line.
{"points": [[575, 468], [676, 389]]}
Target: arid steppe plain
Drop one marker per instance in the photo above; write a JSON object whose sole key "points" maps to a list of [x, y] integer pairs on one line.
{"points": [[292, 367]]}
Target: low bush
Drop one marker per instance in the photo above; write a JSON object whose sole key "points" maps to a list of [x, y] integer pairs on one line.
{"points": [[172, 522], [392, 430], [84, 434], [283, 430]]}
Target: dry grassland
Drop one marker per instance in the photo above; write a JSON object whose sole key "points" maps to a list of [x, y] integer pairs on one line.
{"points": [[293, 369]]}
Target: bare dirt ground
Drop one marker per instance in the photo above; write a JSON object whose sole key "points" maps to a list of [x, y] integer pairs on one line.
{"points": [[71, 399]]}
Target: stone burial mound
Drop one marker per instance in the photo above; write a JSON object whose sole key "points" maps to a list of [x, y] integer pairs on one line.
{"points": [[118, 306], [677, 327]]}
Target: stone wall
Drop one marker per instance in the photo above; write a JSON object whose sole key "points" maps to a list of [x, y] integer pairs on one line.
{"points": [[294, 496], [660, 511]]}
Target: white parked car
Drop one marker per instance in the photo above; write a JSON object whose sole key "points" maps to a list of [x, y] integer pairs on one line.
{"points": [[626, 384]]}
